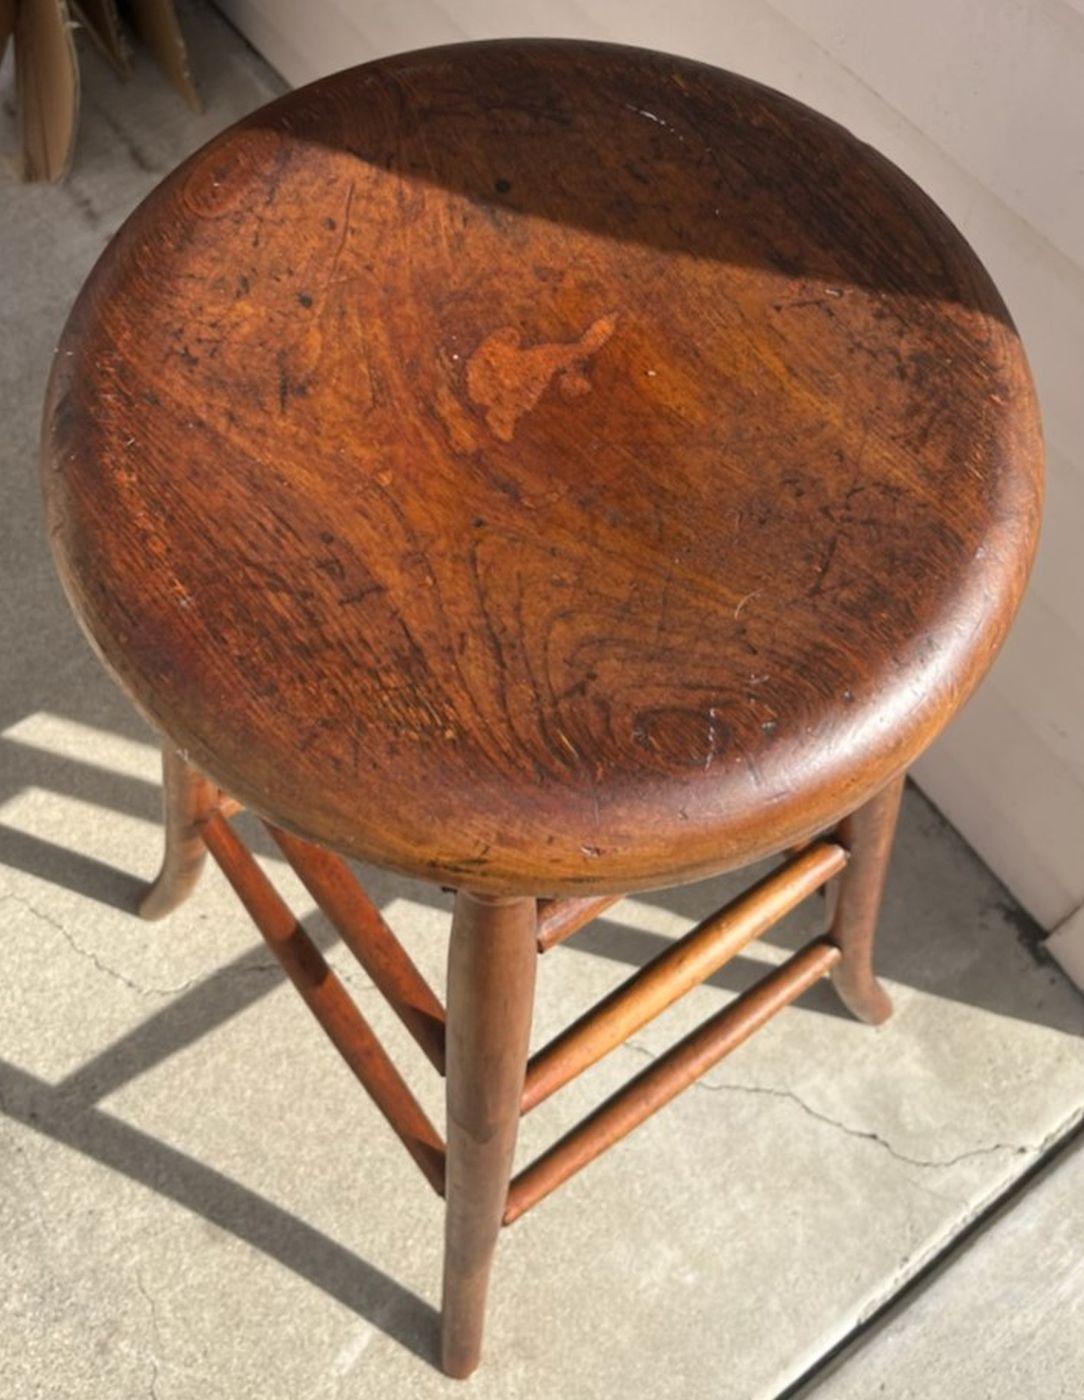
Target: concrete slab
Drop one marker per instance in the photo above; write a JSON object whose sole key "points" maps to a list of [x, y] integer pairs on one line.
{"points": [[1004, 1319], [196, 1200]]}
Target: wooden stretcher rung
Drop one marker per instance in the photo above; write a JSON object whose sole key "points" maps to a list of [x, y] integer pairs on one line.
{"points": [[676, 970], [359, 922], [327, 998], [669, 1075], [559, 919]]}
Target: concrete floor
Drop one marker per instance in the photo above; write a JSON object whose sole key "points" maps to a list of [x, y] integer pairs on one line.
{"points": [[1006, 1317], [195, 1199]]}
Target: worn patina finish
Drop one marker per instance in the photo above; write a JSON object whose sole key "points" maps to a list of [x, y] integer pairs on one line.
{"points": [[549, 466]]}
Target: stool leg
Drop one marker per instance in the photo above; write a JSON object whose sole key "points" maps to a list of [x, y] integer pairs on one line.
{"points": [[491, 972], [867, 834], [187, 796]]}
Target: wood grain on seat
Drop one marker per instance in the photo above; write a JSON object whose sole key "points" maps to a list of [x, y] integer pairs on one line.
{"points": [[543, 467]]}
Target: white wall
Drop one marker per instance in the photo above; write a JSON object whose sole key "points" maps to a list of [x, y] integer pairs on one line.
{"points": [[982, 102]]}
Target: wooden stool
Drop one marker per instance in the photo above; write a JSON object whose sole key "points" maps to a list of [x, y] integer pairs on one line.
{"points": [[549, 470]]}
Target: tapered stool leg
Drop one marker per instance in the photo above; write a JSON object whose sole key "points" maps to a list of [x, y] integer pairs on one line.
{"points": [[867, 834], [491, 973], [187, 797]]}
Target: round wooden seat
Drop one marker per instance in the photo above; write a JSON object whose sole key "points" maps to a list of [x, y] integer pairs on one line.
{"points": [[543, 467]]}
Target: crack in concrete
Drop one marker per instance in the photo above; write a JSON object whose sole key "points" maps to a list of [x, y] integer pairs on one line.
{"points": [[910, 1272], [153, 1355], [352, 979], [868, 1134], [139, 988]]}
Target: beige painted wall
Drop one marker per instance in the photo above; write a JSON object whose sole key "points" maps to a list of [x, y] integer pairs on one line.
{"points": [[982, 102]]}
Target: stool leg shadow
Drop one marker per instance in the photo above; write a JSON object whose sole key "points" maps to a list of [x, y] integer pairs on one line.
{"points": [[867, 834], [187, 797]]}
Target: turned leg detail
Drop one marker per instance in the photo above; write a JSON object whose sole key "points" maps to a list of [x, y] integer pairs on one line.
{"points": [[867, 834], [491, 973], [481, 1038], [187, 799]]}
